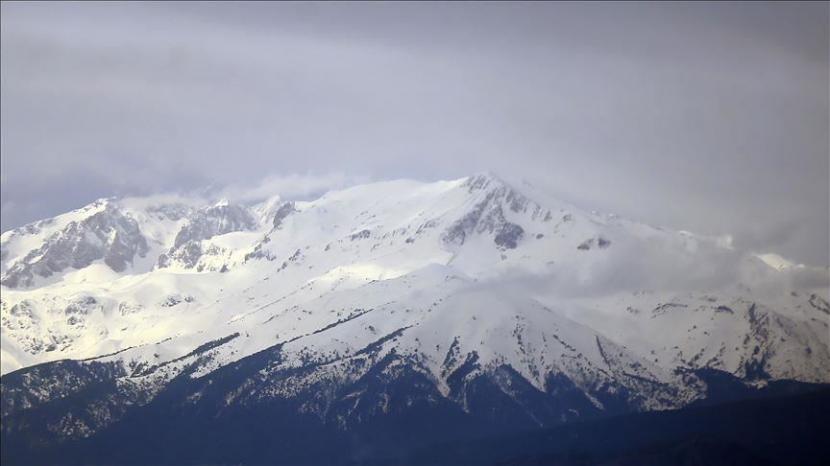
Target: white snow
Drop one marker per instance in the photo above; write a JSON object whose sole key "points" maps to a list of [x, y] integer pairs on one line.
{"points": [[373, 259]]}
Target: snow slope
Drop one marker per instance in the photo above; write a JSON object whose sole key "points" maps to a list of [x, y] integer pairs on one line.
{"points": [[442, 273]]}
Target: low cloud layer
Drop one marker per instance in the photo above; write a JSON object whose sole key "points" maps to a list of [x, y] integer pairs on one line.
{"points": [[287, 186], [666, 264], [706, 117]]}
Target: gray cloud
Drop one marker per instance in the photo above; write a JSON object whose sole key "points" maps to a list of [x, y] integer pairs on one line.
{"points": [[706, 117], [665, 264], [655, 263], [287, 186]]}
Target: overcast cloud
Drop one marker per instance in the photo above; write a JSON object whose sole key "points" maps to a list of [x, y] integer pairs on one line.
{"points": [[704, 117]]}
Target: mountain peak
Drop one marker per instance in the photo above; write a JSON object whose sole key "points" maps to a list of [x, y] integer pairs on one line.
{"points": [[484, 180]]}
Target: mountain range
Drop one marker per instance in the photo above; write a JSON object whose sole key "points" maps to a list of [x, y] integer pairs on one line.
{"points": [[377, 319]]}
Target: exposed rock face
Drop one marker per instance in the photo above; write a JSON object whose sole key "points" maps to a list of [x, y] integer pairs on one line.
{"points": [[509, 235], [204, 224], [488, 215], [188, 255], [216, 220], [362, 234], [28, 328], [599, 241], [109, 235], [282, 212]]}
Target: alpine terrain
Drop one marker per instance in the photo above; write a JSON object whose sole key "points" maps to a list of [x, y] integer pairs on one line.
{"points": [[375, 322]]}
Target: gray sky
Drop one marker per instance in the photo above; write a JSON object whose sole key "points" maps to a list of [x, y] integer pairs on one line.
{"points": [[705, 117]]}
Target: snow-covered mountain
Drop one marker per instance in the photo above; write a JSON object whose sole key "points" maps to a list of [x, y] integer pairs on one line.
{"points": [[478, 296]]}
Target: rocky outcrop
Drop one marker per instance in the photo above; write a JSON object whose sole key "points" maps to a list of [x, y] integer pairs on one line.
{"points": [[204, 224], [284, 210], [488, 214], [107, 235]]}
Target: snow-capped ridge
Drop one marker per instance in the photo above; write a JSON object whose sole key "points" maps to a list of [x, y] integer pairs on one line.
{"points": [[107, 234], [181, 271]]}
